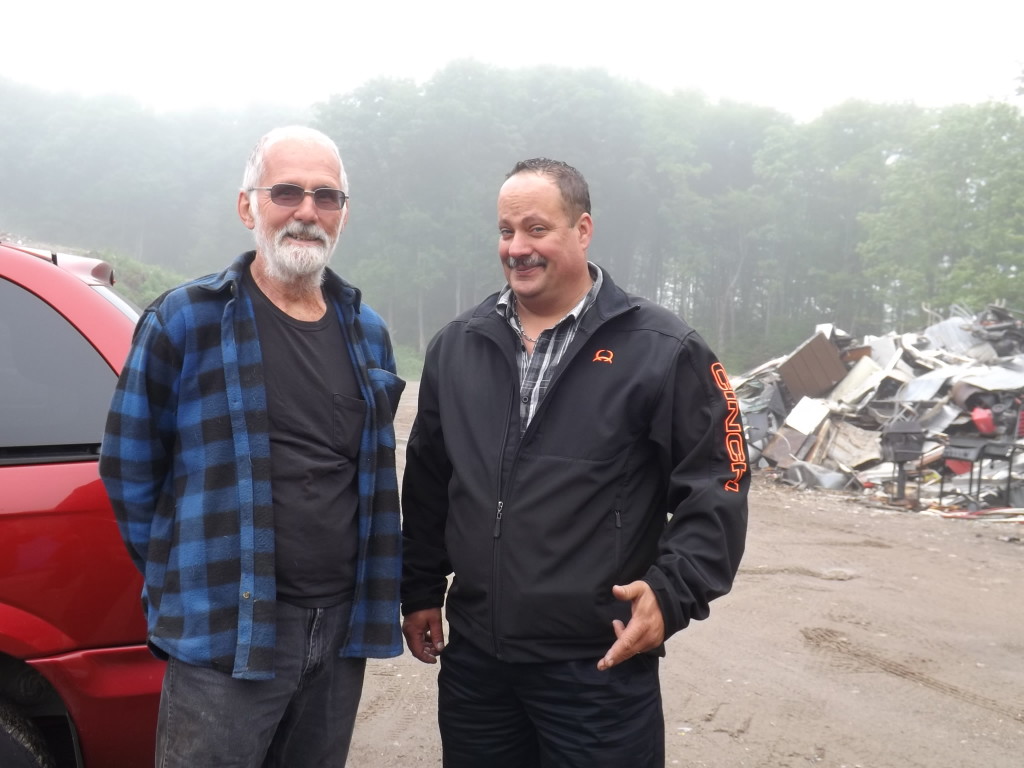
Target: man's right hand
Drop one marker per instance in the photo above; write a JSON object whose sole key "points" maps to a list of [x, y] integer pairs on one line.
{"points": [[425, 634]]}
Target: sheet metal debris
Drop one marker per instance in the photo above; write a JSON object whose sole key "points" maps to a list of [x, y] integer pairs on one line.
{"points": [[929, 421]]}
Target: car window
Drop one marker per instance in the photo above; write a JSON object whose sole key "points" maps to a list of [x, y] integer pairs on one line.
{"points": [[55, 388]]}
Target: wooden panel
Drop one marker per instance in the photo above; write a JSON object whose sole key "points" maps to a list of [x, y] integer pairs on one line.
{"points": [[812, 369]]}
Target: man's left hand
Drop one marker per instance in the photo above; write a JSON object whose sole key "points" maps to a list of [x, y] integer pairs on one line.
{"points": [[646, 628]]}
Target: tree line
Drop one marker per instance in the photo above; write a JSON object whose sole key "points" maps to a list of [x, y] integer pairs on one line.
{"points": [[752, 226]]}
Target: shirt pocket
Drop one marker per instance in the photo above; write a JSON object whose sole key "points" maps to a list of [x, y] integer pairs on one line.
{"points": [[349, 416]]}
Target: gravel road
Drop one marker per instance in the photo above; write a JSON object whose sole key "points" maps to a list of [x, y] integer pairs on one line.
{"points": [[855, 636]]}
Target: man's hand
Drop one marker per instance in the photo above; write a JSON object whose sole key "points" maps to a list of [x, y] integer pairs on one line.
{"points": [[646, 629], [425, 634]]}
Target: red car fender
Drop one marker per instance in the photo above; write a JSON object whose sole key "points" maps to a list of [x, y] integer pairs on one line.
{"points": [[103, 690]]}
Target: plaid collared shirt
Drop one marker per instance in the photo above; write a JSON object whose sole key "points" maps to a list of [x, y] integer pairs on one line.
{"points": [[186, 463], [538, 369]]}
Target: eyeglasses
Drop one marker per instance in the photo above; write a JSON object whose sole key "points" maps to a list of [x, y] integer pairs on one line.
{"points": [[292, 195]]}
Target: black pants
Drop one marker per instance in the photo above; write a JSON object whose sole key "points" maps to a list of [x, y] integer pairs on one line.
{"points": [[551, 715]]}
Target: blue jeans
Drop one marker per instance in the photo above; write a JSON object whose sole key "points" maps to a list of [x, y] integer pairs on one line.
{"points": [[564, 714], [304, 716]]}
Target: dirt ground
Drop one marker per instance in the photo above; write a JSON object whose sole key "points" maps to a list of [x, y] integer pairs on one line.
{"points": [[856, 635]]}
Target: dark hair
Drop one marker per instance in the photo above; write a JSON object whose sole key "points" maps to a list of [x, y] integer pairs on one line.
{"points": [[572, 185]]}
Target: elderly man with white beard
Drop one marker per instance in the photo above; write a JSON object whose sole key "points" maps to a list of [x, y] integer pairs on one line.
{"points": [[249, 456]]}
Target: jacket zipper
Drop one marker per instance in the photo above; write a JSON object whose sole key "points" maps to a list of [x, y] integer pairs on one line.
{"points": [[495, 554], [497, 520], [618, 539], [499, 511], [568, 357]]}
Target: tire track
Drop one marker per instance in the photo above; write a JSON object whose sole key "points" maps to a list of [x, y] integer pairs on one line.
{"points": [[833, 641], [832, 574]]}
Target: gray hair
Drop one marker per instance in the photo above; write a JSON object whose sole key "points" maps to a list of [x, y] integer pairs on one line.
{"points": [[257, 159]]}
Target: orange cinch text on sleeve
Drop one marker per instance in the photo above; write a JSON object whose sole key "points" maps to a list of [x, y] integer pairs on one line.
{"points": [[735, 444]]}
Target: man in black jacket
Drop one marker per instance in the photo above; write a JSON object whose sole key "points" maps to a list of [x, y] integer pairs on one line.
{"points": [[578, 463]]}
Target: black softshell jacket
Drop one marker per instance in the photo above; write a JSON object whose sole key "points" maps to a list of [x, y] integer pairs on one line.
{"points": [[633, 468]]}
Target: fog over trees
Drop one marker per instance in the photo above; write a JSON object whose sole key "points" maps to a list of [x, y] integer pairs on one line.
{"points": [[753, 227]]}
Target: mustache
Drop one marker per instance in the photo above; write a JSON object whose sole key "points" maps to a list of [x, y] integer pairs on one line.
{"points": [[303, 231], [525, 262]]}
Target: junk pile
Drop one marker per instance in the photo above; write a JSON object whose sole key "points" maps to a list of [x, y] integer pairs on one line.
{"points": [[929, 420]]}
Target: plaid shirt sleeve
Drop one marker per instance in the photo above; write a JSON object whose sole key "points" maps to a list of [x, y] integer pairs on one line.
{"points": [[138, 443], [376, 628]]}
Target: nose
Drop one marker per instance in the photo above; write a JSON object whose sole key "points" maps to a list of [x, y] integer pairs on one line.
{"points": [[307, 210], [518, 245]]}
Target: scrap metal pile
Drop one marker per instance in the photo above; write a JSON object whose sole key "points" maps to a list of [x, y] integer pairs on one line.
{"points": [[925, 420]]}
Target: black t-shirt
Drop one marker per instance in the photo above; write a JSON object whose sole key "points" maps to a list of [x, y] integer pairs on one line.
{"points": [[316, 416]]}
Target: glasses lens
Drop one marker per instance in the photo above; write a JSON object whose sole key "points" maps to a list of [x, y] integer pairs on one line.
{"points": [[289, 195], [329, 199], [325, 198]]}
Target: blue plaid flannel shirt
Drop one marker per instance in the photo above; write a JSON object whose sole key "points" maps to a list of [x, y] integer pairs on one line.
{"points": [[186, 463]]}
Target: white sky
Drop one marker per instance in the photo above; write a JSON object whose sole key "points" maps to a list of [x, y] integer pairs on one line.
{"points": [[799, 56]]}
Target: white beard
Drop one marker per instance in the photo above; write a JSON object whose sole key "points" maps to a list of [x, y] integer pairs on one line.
{"points": [[299, 265]]}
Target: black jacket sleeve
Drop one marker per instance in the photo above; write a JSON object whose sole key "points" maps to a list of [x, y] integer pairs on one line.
{"points": [[698, 430], [425, 563]]}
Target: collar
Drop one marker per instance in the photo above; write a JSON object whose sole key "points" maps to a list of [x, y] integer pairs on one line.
{"points": [[505, 305], [231, 279]]}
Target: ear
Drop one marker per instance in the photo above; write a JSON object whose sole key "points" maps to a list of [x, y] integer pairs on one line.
{"points": [[245, 209], [585, 230], [344, 216]]}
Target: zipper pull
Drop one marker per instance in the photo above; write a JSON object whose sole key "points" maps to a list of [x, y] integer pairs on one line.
{"points": [[497, 520]]}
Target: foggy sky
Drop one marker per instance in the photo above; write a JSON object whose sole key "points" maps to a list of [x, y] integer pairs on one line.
{"points": [[798, 56]]}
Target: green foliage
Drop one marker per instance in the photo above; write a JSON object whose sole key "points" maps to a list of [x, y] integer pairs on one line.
{"points": [[950, 227], [140, 283], [410, 362], [751, 226]]}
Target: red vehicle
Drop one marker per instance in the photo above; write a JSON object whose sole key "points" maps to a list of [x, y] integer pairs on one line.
{"points": [[78, 686]]}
